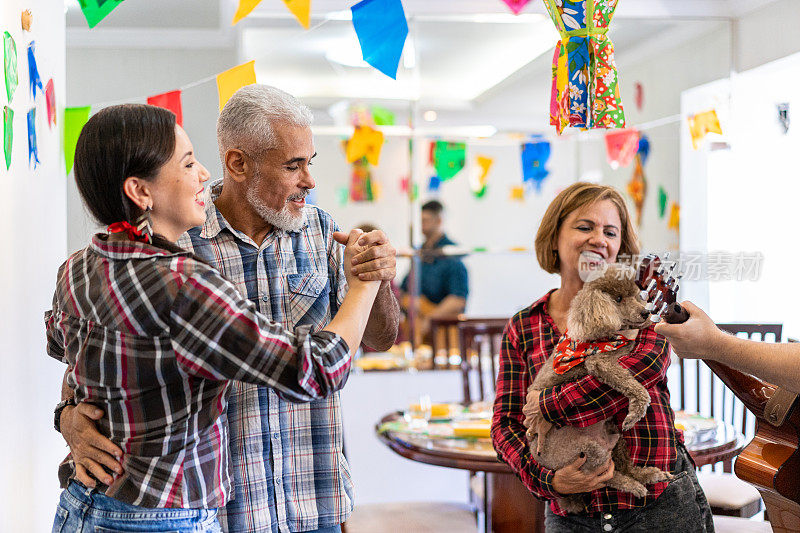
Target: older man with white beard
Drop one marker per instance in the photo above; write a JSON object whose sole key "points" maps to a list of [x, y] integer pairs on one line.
{"points": [[289, 471]]}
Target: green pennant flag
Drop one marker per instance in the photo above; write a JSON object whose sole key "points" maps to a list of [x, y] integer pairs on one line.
{"points": [[74, 120], [96, 10], [10, 65], [8, 133], [382, 116], [662, 202], [448, 159]]}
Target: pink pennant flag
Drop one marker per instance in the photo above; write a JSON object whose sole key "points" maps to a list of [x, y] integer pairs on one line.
{"points": [[516, 5], [50, 97], [171, 101], [621, 147]]}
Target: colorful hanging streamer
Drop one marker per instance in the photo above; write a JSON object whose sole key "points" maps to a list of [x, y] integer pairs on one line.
{"points": [[701, 124], [637, 186], [365, 142], [50, 98], [33, 71], [33, 149], [434, 183], [382, 29], [621, 147], [74, 120], [662, 201], [301, 9], [10, 65], [382, 116], [534, 157], [170, 100], [478, 184], [97, 10], [8, 134], [233, 79], [674, 217], [449, 158], [585, 92], [516, 5], [361, 189]]}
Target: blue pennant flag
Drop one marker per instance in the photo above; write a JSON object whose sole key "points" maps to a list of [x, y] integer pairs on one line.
{"points": [[33, 150], [434, 183], [644, 148], [534, 157], [33, 71], [382, 30]]}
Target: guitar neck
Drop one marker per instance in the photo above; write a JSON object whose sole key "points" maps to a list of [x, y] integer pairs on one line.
{"points": [[753, 392]]}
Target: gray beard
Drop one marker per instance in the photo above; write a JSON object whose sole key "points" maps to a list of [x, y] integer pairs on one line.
{"points": [[281, 219]]}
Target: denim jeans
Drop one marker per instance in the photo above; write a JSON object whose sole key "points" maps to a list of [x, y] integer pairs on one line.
{"points": [[331, 529], [84, 510], [682, 507]]}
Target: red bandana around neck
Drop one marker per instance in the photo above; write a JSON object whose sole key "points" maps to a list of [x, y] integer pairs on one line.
{"points": [[133, 233], [571, 353]]}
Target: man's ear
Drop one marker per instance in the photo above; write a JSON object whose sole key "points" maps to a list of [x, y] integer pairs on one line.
{"points": [[138, 191], [238, 165], [592, 315]]}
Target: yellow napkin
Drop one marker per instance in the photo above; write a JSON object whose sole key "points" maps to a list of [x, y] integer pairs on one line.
{"points": [[477, 428]]}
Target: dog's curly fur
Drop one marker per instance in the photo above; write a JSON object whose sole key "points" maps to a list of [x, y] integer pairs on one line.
{"points": [[603, 307]]}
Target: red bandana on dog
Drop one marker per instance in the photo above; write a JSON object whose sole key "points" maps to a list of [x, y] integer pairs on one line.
{"points": [[570, 353]]}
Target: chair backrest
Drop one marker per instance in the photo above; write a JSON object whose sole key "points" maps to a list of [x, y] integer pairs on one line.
{"points": [[701, 391], [479, 341], [444, 340]]}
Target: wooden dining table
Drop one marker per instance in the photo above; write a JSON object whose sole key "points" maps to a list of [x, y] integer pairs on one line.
{"points": [[507, 505]]}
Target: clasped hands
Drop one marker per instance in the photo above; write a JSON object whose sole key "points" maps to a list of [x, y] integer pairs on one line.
{"points": [[570, 479]]}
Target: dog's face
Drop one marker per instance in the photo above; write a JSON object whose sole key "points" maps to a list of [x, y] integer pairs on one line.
{"points": [[607, 305]]}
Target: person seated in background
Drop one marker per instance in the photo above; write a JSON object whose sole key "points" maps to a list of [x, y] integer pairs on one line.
{"points": [[442, 281], [700, 338]]}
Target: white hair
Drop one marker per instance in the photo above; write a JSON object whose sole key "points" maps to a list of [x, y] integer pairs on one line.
{"points": [[246, 120]]}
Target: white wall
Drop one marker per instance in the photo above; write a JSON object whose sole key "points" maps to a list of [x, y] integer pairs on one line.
{"points": [[33, 240]]}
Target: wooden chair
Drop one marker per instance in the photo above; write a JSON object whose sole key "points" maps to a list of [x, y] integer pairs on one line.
{"points": [[701, 391], [479, 342]]}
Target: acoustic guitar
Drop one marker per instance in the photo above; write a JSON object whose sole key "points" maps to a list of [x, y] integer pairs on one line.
{"points": [[771, 461]]}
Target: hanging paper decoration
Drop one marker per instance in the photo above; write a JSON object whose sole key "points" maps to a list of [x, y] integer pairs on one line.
{"points": [[585, 92], [637, 186], [701, 124], [638, 97], [674, 217], [621, 146], [662, 202], [480, 176], [244, 9], [534, 158], [10, 65], [382, 29], [74, 120], [342, 194], [301, 9], [33, 71], [517, 193], [233, 79], [361, 182], [33, 150], [382, 116], [516, 5], [50, 98], [171, 101], [96, 10], [8, 134], [448, 159], [434, 183], [404, 184], [365, 142], [26, 20]]}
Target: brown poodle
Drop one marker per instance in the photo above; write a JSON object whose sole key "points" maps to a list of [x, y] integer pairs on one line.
{"points": [[602, 308]]}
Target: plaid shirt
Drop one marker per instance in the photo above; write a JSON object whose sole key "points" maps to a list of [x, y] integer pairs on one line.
{"points": [[289, 470], [528, 341], [153, 337]]}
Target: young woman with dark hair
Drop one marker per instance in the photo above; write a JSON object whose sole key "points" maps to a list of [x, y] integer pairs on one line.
{"points": [[153, 336]]}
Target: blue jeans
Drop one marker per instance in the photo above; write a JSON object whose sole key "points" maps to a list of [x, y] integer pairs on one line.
{"points": [[84, 510], [331, 529]]}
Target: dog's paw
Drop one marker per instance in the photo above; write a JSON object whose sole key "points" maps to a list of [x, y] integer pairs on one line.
{"points": [[572, 504], [637, 489], [649, 474]]}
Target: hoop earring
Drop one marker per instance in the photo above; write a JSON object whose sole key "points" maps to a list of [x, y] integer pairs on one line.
{"points": [[144, 225]]}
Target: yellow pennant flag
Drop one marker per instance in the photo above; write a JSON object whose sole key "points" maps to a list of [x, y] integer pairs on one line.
{"points": [[517, 193], [300, 9], [674, 217], [365, 142], [244, 9], [233, 79], [701, 124]]}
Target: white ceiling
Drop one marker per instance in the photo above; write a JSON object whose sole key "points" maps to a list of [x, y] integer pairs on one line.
{"points": [[464, 51]]}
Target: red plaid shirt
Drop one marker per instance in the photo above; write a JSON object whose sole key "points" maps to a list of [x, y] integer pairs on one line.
{"points": [[528, 341]]}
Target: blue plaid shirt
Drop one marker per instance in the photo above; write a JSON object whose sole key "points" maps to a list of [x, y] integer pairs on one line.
{"points": [[289, 473]]}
